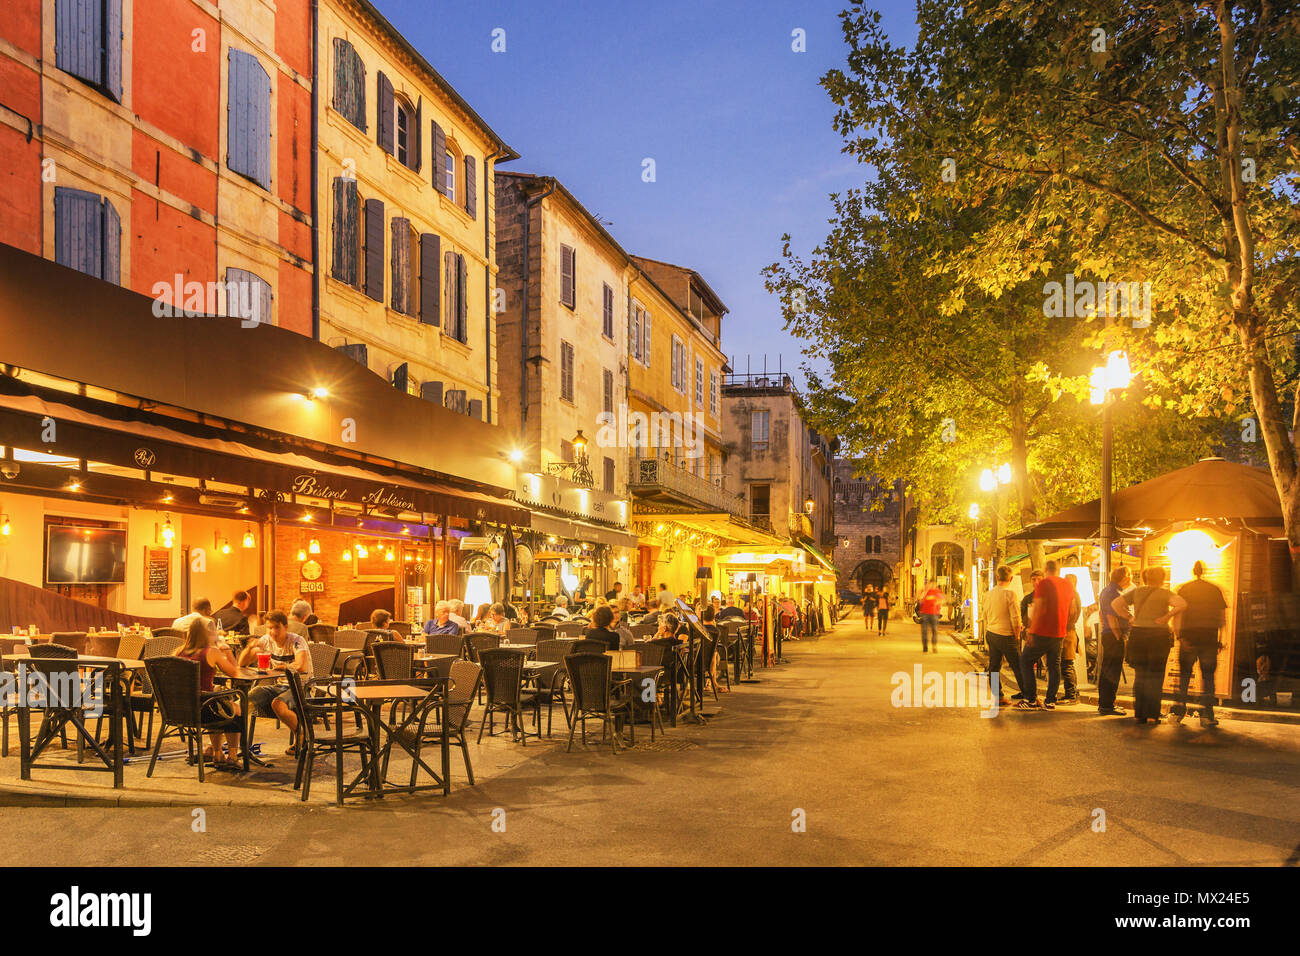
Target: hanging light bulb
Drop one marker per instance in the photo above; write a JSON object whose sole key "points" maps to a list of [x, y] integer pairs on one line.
{"points": [[4, 525], [168, 533], [249, 540], [361, 551], [314, 546], [302, 555], [225, 546], [347, 555], [388, 555]]}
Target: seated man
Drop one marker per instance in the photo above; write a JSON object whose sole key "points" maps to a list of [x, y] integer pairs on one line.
{"points": [[202, 608], [457, 607], [298, 615], [235, 617], [288, 652], [602, 628], [729, 612], [441, 623], [561, 607]]}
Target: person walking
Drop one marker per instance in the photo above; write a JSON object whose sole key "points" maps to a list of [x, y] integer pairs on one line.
{"points": [[1114, 629], [931, 605], [1198, 641], [882, 610], [1149, 639], [869, 608], [1001, 620], [1047, 624]]}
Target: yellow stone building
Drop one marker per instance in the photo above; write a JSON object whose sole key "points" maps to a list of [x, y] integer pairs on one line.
{"points": [[405, 192]]}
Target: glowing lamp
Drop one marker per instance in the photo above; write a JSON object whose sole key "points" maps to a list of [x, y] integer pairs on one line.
{"points": [[313, 546], [4, 525], [347, 555], [478, 590], [249, 541], [974, 511], [362, 552], [302, 555], [1185, 549], [987, 480], [1082, 585]]}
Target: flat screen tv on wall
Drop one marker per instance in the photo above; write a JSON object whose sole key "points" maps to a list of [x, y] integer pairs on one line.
{"points": [[76, 555]]}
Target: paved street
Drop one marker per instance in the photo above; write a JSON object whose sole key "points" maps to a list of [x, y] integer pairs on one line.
{"points": [[878, 785]]}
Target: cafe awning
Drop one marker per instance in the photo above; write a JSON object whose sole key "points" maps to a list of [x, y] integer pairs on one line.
{"points": [[812, 549], [1210, 490], [582, 531]]}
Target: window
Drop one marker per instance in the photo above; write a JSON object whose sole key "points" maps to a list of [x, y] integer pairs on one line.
{"points": [[877, 543], [566, 371], [87, 234], [608, 377], [699, 383], [759, 501], [607, 313], [248, 119], [713, 393], [646, 340], [248, 297], [609, 474], [349, 84], [346, 233], [679, 375], [568, 277], [405, 141], [867, 545], [449, 175], [455, 296], [566, 450], [88, 42], [471, 191], [759, 423]]}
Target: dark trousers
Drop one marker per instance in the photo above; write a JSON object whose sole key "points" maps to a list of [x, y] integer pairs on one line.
{"points": [[1147, 686], [1112, 668], [1003, 647], [869, 618], [930, 623], [882, 622], [1041, 647], [1191, 652], [1068, 683]]}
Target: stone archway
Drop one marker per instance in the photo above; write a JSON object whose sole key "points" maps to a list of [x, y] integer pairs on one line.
{"points": [[872, 572]]}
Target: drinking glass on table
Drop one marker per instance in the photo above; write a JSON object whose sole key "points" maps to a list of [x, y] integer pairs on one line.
{"points": [[263, 662]]}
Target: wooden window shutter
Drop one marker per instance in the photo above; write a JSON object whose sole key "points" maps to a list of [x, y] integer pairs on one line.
{"points": [[646, 340], [431, 392], [384, 105], [607, 316], [357, 352], [248, 296], [438, 160], [455, 400], [462, 299], [430, 276], [417, 133], [112, 245], [248, 118], [374, 281], [401, 259], [449, 291], [471, 194], [113, 48], [78, 27], [347, 215], [568, 263], [609, 474], [476, 408], [608, 382], [349, 83], [566, 371], [401, 377], [78, 234]]}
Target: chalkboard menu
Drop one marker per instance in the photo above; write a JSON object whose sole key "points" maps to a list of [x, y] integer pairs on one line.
{"points": [[157, 574]]}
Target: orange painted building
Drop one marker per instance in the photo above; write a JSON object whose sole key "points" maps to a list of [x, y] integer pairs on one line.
{"points": [[146, 140]]}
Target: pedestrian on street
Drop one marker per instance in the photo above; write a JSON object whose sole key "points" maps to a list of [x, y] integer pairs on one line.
{"points": [[931, 605], [1001, 620], [1070, 650], [882, 610], [869, 608], [1048, 619], [1114, 630], [1149, 639], [1198, 641]]}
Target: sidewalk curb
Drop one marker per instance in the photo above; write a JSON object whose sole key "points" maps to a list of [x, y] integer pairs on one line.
{"points": [[12, 795], [1280, 717]]}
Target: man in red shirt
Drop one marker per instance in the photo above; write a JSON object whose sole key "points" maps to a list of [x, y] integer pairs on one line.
{"points": [[931, 605], [1048, 622]]}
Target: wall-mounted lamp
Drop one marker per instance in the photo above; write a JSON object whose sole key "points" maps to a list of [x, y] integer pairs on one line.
{"points": [[249, 540]]}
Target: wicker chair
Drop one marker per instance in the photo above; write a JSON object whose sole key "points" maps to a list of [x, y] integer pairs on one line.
{"points": [[352, 646], [463, 687], [186, 712], [586, 646], [503, 676], [596, 695], [130, 647], [73, 639], [324, 658], [651, 655], [570, 629], [478, 643], [55, 718], [321, 633], [394, 660], [141, 699], [522, 635], [554, 682], [401, 627], [445, 644], [168, 632], [312, 745]]}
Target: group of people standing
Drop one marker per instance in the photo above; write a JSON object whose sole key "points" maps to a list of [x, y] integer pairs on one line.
{"points": [[1138, 624], [875, 608]]}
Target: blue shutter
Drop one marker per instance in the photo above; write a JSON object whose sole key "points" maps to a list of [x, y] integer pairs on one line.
{"points": [[112, 245], [248, 296], [113, 48], [248, 119], [78, 38], [78, 231]]}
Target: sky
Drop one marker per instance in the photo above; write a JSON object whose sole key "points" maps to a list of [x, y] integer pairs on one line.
{"points": [[712, 91]]}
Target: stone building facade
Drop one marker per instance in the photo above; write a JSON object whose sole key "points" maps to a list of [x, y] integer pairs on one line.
{"points": [[868, 528]]}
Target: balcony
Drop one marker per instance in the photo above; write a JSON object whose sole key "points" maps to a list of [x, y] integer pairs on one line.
{"points": [[664, 481]]}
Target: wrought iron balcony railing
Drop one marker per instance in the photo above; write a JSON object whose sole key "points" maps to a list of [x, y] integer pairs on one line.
{"points": [[664, 478]]}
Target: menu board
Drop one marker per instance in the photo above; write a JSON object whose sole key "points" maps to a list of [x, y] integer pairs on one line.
{"points": [[157, 574], [1176, 550]]}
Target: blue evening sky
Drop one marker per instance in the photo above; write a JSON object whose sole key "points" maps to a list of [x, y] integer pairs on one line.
{"points": [[738, 127]]}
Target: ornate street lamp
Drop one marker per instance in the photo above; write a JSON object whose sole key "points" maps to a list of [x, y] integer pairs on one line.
{"points": [[1114, 376], [580, 468]]}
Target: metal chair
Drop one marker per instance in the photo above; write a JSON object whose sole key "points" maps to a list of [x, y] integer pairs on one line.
{"points": [[481, 642], [186, 712], [462, 687], [59, 652], [336, 743], [130, 647], [595, 694], [73, 639], [352, 646], [586, 646], [503, 672], [321, 633]]}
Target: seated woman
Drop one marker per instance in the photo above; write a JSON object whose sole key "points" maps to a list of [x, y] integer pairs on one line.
{"points": [[496, 622], [668, 625], [288, 653], [602, 628], [481, 618], [201, 646], [708, 618]]}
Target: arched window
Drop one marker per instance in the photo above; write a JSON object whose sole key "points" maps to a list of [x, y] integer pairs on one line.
{"points": [[877, 539]]}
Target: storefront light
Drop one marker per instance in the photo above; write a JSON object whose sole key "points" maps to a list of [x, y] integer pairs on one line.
{"points": [[388, 555], [313, 546], [478, 590], [4, 526], [362, 552], [347, 555], [249, 540], [168, 533], [302, 555], [516, 456]]}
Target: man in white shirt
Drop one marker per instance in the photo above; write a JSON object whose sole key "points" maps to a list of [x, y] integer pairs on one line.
{"points": [[457, 606], [667, 598], [561, 607], [1000, 615], [202, 609]]}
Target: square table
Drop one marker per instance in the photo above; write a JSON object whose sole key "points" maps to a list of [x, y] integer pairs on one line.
{"points": [[371, 696]]}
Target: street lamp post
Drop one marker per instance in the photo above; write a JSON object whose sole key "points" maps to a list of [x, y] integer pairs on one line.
{"points": [[990, 481], [1114, 376]]}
